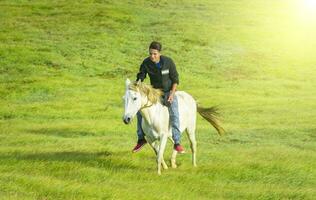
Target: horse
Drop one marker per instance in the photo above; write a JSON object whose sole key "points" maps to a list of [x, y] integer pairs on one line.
{"points": [[148, 101]]}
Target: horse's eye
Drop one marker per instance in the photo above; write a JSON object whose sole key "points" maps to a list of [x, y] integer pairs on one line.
{"points": [[134, 98]]}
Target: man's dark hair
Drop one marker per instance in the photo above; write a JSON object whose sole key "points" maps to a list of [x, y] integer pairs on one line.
{"points": [[155, 45]]}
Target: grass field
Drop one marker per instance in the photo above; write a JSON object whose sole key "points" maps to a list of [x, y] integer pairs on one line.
{"points": [[62, 71]]}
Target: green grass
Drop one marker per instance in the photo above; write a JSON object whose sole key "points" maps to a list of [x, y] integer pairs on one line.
{"points": [[62, 71]]}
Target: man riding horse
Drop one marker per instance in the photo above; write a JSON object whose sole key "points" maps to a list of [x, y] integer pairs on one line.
{"points": [[163, 75]]}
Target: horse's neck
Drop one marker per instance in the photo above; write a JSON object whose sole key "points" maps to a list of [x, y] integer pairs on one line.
{"points": [[150, 112]]}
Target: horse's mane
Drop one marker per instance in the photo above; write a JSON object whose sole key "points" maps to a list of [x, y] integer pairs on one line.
{"points": [[152, 94]]}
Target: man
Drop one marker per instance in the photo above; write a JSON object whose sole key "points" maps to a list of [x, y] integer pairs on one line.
{"points": [[163, 75]]}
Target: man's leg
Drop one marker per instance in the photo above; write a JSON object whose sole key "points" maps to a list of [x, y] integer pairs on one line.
{"points": [[175, 123], [140, 134]]}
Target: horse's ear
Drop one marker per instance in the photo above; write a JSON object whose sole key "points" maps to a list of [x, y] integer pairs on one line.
{"points": [[127, 82], [138, 82]]}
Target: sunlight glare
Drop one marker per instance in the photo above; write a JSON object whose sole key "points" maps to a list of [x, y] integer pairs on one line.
{"points": [[307, 11], [310, 3]]}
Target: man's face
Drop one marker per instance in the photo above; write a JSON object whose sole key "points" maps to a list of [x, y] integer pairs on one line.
{"points": [[154, 55]]}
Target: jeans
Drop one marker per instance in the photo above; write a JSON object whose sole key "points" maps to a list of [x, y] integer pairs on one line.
{"points": [[173, 117]]}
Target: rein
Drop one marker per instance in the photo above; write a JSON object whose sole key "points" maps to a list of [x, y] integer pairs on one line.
{"points": [[146, 105]]}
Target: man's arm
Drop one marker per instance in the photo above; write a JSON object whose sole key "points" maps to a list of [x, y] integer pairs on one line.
{"points": [[172, 92], [174, 76], [174, 88], [142, 73]]}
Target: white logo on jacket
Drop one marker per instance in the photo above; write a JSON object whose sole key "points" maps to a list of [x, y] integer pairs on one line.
{"points": [[166, 71]]}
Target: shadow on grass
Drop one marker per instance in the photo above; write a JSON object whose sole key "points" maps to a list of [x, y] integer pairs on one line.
{"points": [[107, 160], [62, 132]]}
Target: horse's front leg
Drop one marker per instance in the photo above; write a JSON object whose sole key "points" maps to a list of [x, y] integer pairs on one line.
{"points": [[155, 147], [161, 150]]}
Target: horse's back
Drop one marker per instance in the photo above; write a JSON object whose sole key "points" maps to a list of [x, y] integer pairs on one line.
{"points": [[185, 98], [187, 109]]}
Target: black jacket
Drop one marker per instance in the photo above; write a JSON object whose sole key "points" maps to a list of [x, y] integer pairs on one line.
{"points": [[162, 78]]}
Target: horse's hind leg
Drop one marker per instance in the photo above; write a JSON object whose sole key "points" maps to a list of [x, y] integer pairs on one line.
{"points": [[173, 159], [155, 147], [173, 156], [191, 134]]}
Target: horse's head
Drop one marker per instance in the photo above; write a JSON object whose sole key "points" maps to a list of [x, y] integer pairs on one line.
{"points": [[132, 102]]}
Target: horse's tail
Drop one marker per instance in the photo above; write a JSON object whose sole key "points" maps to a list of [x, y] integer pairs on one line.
{"points": [[211, 115]]}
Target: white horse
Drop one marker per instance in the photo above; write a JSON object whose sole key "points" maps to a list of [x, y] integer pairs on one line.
{"points": [[144, 98]]}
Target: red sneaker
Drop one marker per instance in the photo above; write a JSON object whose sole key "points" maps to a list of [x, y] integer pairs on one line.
{"points": [[139, 145], [178, 148]]}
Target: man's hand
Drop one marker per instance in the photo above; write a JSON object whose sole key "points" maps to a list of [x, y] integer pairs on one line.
{"points": [[170, 98]]}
